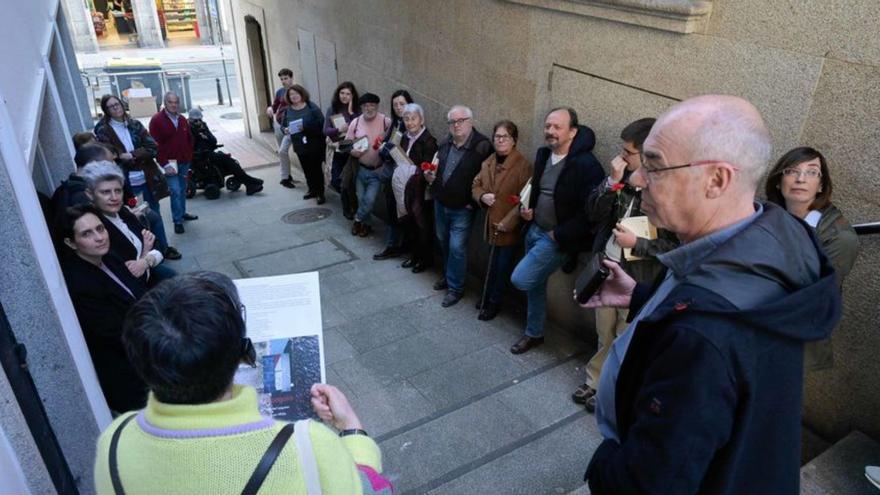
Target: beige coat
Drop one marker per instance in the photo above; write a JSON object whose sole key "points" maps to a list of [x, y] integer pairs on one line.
{"points": [[505, 181]]}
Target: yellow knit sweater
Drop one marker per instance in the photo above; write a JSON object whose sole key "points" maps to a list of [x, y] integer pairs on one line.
{"points": [[214, 448]]}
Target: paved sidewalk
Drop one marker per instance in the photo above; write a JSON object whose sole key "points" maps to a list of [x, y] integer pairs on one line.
{"points": [[452, 409]]}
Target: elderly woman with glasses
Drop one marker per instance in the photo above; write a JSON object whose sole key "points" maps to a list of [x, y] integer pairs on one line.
{"points": [[801, 183], [130, 240], [202, 433], [497, 189]]}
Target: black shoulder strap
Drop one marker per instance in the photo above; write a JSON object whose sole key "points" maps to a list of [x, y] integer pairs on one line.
{"points": [[114, 466], [265, 465]]}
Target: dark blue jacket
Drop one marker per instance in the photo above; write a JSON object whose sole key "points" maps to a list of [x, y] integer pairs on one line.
{"points": [[708, 397]]}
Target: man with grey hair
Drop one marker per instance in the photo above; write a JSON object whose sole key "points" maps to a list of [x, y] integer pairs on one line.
{"points": [[702, 392], [175, 149], [460, 157]]}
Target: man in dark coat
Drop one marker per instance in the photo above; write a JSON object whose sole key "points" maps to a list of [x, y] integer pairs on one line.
{"points": [[565, 173], [459, 160], [702, 392]]}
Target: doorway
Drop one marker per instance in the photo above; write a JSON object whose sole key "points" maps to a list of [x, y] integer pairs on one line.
{"points": [[259, 72]]}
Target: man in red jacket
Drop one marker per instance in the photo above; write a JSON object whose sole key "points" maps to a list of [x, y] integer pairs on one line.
{"points": [[175, 143]]}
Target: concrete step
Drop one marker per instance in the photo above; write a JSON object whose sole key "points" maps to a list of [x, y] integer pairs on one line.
{"points": [[840, 470]]}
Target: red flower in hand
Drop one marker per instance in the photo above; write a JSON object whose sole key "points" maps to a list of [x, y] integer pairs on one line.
{"points": [[428, 167], [377, 142], [132, 202], [617, 187], [513, 199]]}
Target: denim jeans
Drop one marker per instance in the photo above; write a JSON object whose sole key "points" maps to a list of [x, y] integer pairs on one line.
{"points": [[153, 216], [542, 258], [498, 272], [339, 161], [177, 186], [394, 230], [453, 227], [368, 184]]}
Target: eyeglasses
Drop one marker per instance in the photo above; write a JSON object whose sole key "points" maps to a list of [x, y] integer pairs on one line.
{"points": [[243, 310], [458, 121], [650, 170], [502, 137], [810, 173], [114, 105]]}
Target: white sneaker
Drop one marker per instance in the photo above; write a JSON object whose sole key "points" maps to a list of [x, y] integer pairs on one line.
{"points": [[873, 475]]}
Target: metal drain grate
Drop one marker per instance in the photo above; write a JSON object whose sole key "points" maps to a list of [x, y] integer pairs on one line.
{"points": [[306, 215], [231, 116]]}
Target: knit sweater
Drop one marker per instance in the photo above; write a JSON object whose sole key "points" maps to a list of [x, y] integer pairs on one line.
{"points": [[214, 448]]}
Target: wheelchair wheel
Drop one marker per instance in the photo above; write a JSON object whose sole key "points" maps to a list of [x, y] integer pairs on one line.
{"points": [[232, 184], [212, 191]]}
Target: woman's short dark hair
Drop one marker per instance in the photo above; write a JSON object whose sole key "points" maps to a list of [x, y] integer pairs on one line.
{"points": [[74, 213], [303, 93], [337, 104], [792, 159], [285, 72], [105, 100], [406, 96], [636, 132], [509, 126], [185, 336]]}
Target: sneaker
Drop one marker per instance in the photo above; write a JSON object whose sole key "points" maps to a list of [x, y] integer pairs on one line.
{"points": [[288, 183], [172, 254], [590, 404], [583, 393], [178, 228]]}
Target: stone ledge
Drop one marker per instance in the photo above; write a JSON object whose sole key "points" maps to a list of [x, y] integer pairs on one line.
{"points": [[677, 16]]}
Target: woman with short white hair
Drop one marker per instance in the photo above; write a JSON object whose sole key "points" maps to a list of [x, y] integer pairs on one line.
{"points": [[129, 239]]}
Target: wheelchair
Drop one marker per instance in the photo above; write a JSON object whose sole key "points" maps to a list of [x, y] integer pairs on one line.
{"points": [[206, 173]]}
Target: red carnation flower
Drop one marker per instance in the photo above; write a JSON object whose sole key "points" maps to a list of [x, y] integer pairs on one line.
{"points": [[617, 187], [377, 142], [513, 199], [132, 202], [428, 167]]}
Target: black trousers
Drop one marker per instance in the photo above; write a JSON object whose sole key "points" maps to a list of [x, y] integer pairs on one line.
{"points": [[311, 160], [229, 166]]}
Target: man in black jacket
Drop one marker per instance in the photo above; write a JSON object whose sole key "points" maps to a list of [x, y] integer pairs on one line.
{"points": [[460, 157], [565, 173], [702, 393]]}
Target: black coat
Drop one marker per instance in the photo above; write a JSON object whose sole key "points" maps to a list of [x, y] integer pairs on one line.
{"points": [[709, 394], [581, 173], [101, 305], [456, 192]]}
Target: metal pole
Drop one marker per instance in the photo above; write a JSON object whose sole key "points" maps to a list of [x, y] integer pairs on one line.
{"points": [[225, 74], [219, 91]]}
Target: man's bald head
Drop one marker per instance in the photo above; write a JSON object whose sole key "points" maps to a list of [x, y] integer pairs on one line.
{"points": [[724, 128]]}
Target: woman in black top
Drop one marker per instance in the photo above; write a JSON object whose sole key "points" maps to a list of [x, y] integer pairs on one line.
{"points": [[307, 137], [102, 291]]}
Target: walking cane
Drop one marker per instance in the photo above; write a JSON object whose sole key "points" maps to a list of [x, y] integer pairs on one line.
{"points": [[489, 269]]}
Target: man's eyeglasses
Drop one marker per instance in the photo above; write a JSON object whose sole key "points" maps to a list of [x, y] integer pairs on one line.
{"points": [[458, 121], [810, 173], [502, 137], [654, 170]]}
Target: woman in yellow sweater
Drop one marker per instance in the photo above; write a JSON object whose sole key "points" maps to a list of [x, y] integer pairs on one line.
{"points": [[200, 433]]}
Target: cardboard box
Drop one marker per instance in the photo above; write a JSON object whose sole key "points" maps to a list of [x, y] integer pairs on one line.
{"points": [[141, 106]]}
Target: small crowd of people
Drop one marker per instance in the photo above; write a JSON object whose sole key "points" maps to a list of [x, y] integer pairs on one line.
{"points": [[711, 298]]}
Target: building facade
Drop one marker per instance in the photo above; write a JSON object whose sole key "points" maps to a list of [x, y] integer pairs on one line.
{"points": [[812, 68], [52, 409]]}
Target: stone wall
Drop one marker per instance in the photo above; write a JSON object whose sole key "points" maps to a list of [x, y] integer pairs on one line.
{"points": [[812, 68]]}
